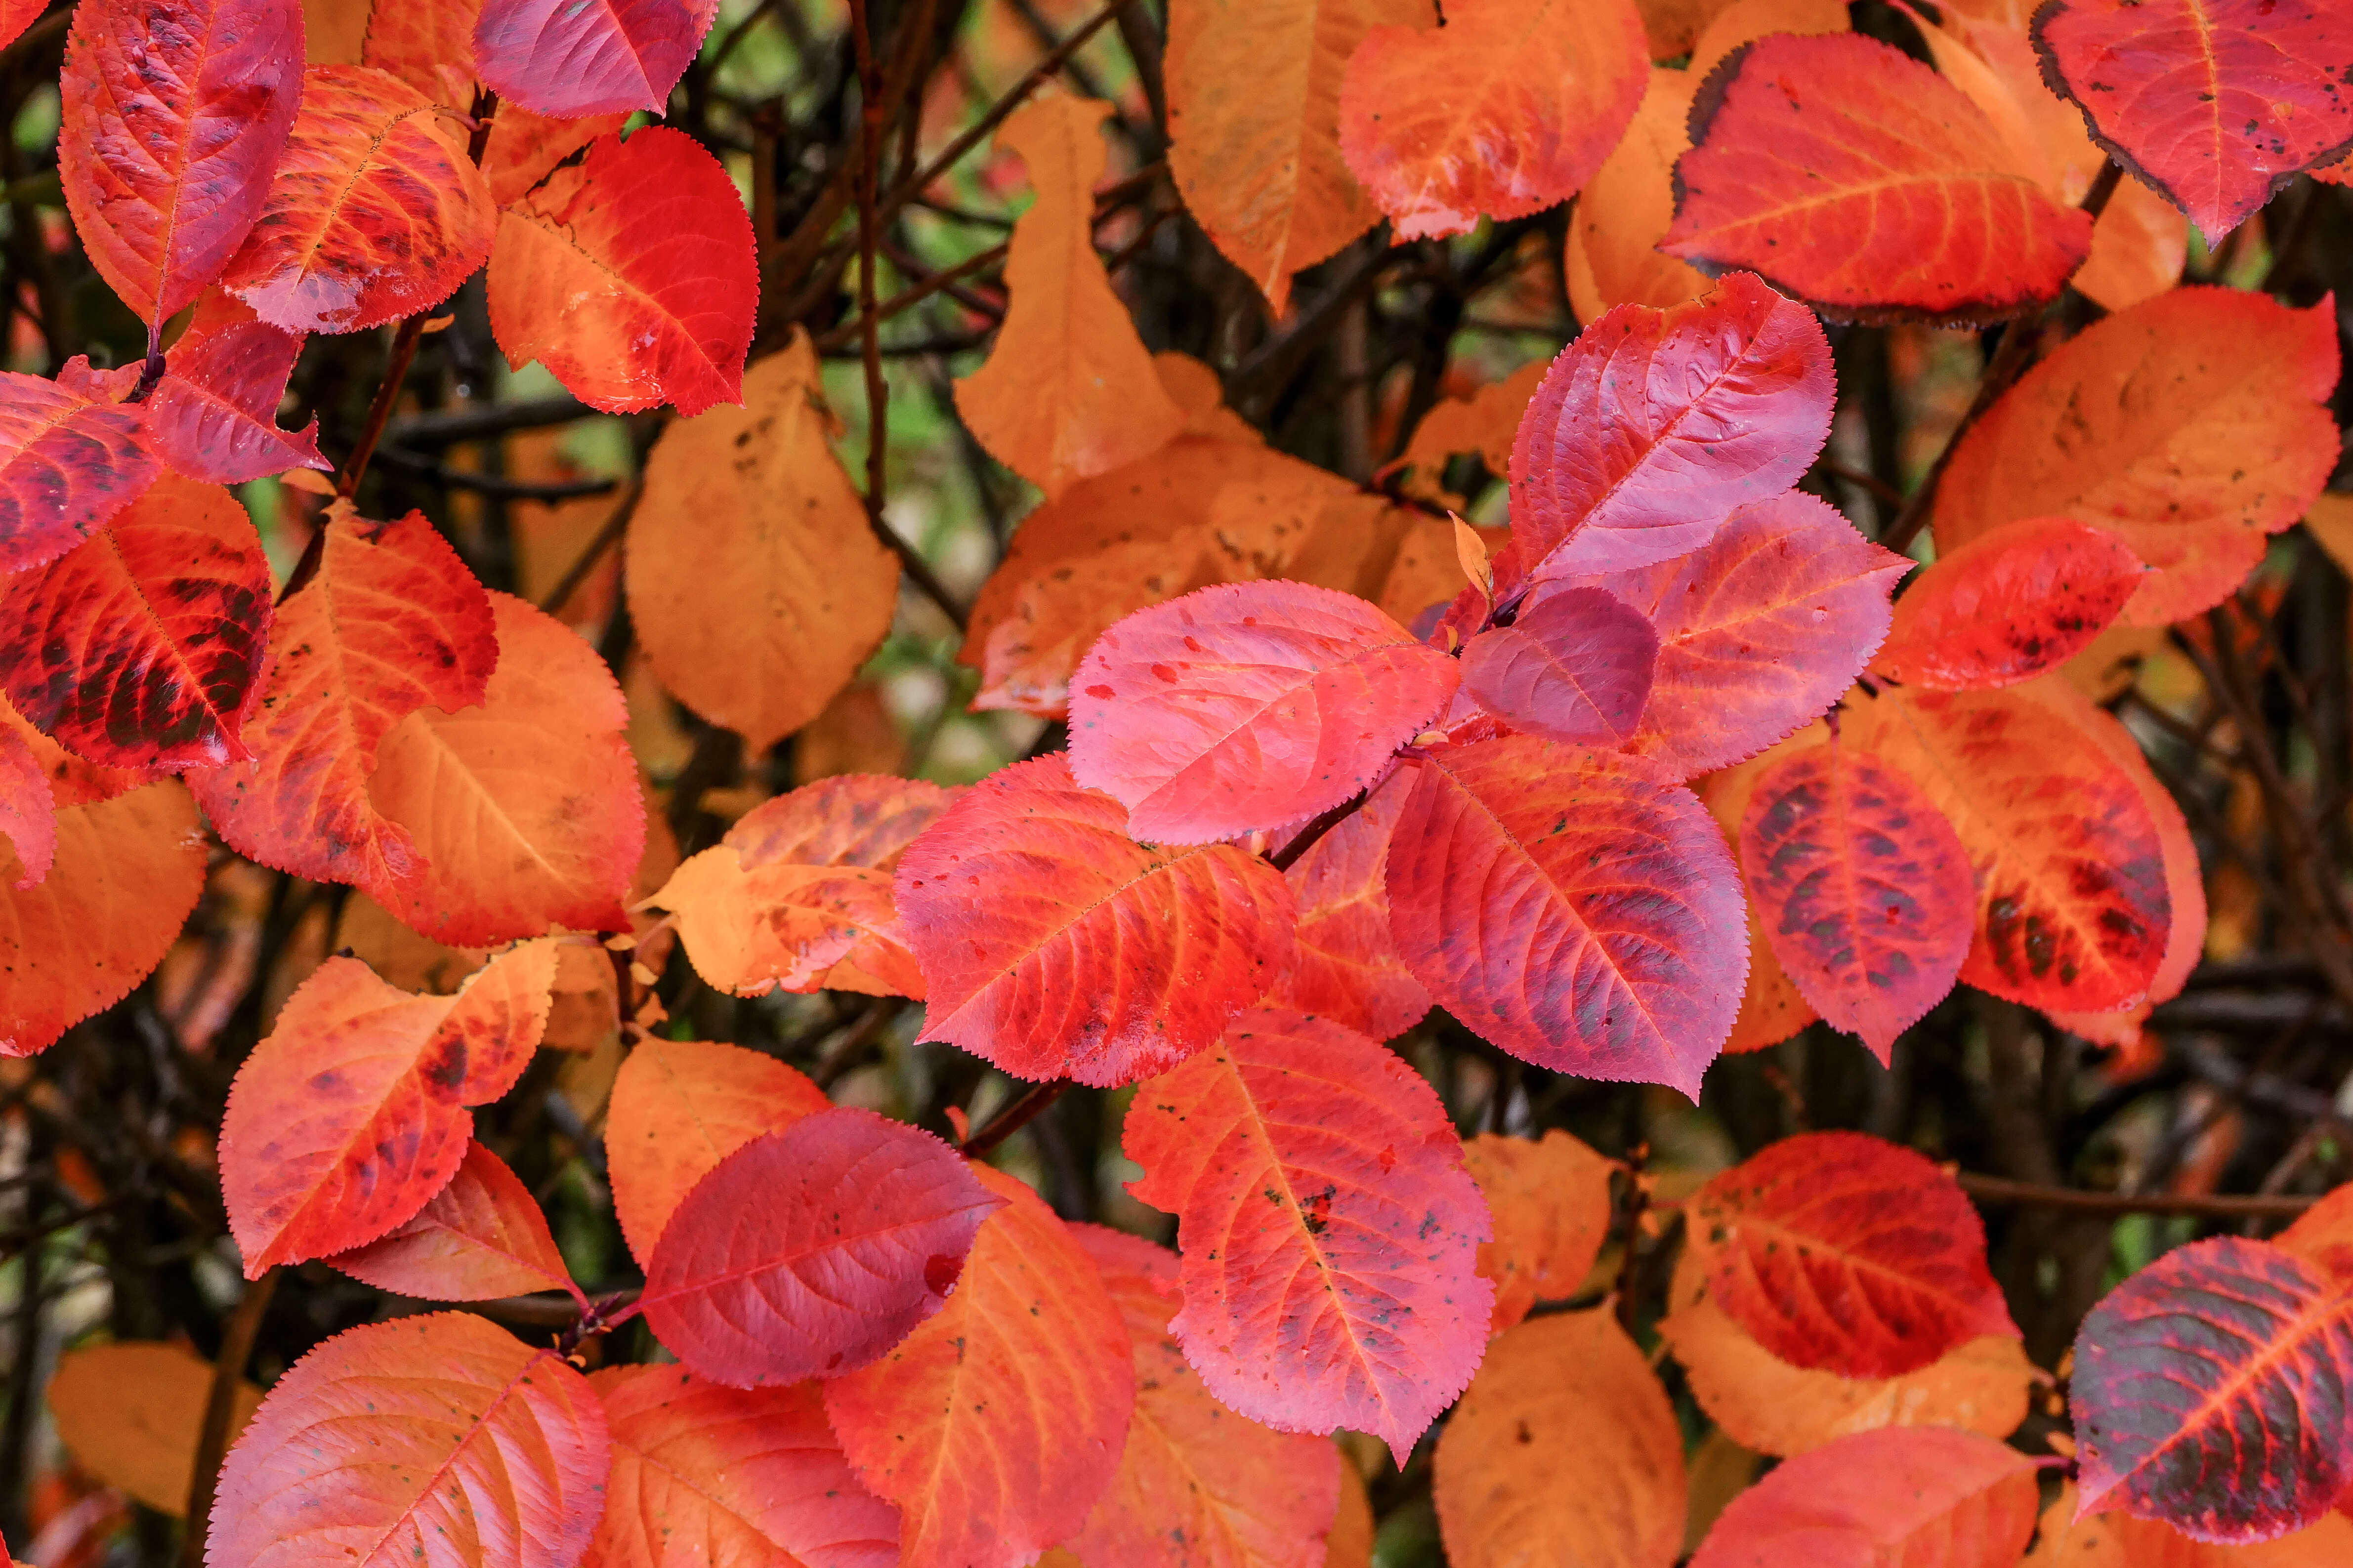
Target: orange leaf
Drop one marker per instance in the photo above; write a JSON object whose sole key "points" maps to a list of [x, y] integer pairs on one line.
{"points": [[133, 1413], [1484, 423], [754, 497], [679, 1108], [2120, 1541], [1565, 1438], [526, 812], [630, 276], [2190, 426], [1351, 1543], [1859, 180], [703, 1474], [997, 1424], [345, 1121], [1069, 390], [525, 148], [1345, 965], [430, 45], [128, 870], [426, 1440], [1899, 1495], [1503, 111], [375, 212], [481, 1237], [1612, 257], [1550, 1201]]}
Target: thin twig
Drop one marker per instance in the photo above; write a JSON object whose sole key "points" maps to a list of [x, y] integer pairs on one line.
{"points": [[1014, 1118], [220, 1408], [2076, 1199], [496, 485], [451, 428], [1285, 859], [379, 414], [606, 537]]}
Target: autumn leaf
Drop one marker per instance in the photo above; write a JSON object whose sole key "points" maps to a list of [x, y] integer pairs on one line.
{"points": [[430, 46], [2218, 103], [705, 1473], [605, 58], [1327, 1226], [2120, 1541], [163, 185], [1655, 424], [1611, 255], [1248, 707], [2014, 601], [525, 148], [1929, 1493], [754, 497], [630, 275], [1255, 127], [997, 1424], [2179, 1364], [350, 1116], [1565, 1437], [376, 211], [1069, 390], [1574, 906], [2189, 426], [1550, 1200], [478, 1239], [1841, 1252], [67, 464], [1053, 945], [214, 414], [1482, 423], [391, 622], [1504, 111], [1576, 665], [131, 1413], [1345, 965], [395, 1442], [1863, 183], [29, 810]]}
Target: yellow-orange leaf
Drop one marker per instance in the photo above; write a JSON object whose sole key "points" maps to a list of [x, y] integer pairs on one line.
{"points": [[2120, 1541], [753, 497], [1351, 1541], [1069, 390], [1612, 257], [133, 1412], [1484, 423], [1550, 1202], [1565, 1438], [1255, 127]]}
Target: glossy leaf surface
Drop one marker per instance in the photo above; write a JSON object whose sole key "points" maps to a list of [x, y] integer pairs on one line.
{"points": [[66, 465], [811, 1251], [1248, 707], [1575, 667], [630, 276], [1054, 945], [1345, 965], [214, 416], [480, 1237], [564, 58], [1863, 183], [1911, 1494], [2016, 600], [1328, 1227], [1573, 906], [173, 116], [1549, 1200], [437, 1439]]}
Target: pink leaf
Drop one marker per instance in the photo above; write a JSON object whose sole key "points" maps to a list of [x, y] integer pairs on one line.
{"points": [[214, 416], [482, 1236], [1330, 1232], [1345, 965], [1054, 945], [809, 1252], [1248, 706], [1653, 424], [2021, 598], [1576, 665], [574, 58], [28, 808], [1896, 1495], [1574, 906]]}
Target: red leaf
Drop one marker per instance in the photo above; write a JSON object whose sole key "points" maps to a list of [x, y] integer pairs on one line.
{"points": [[1248, 706], [679, 1108], [1055, 945], [346, 1121], [437, 1439], [566, 58], [174, 113], [66, 465], [1863, 888], [1846, 1253], [704, 1474], [430, 45], [29, 810], [997, 1424], [1505, 110], [630, 276], [15, 15], [1196, 1486], [2210, 1392], [2218, 103], [139, 646], [214, 416], [1655, 424], [1576, 665], [1760, 630], [524, 148], [393, 622], [128, 868], [1345, 965], [526, 812], [481, 1237], [1898, 1495], [1863, 183], [809, 1252], [1574, 906], [1330, 1233], [2074, 912], [2014, 601]]}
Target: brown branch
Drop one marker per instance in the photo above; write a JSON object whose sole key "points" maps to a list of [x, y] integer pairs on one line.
{"points": [[606, 537], [1285, 859], [220, 1408], [379, 414], [1014, 1118], [2076, 1199]]}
